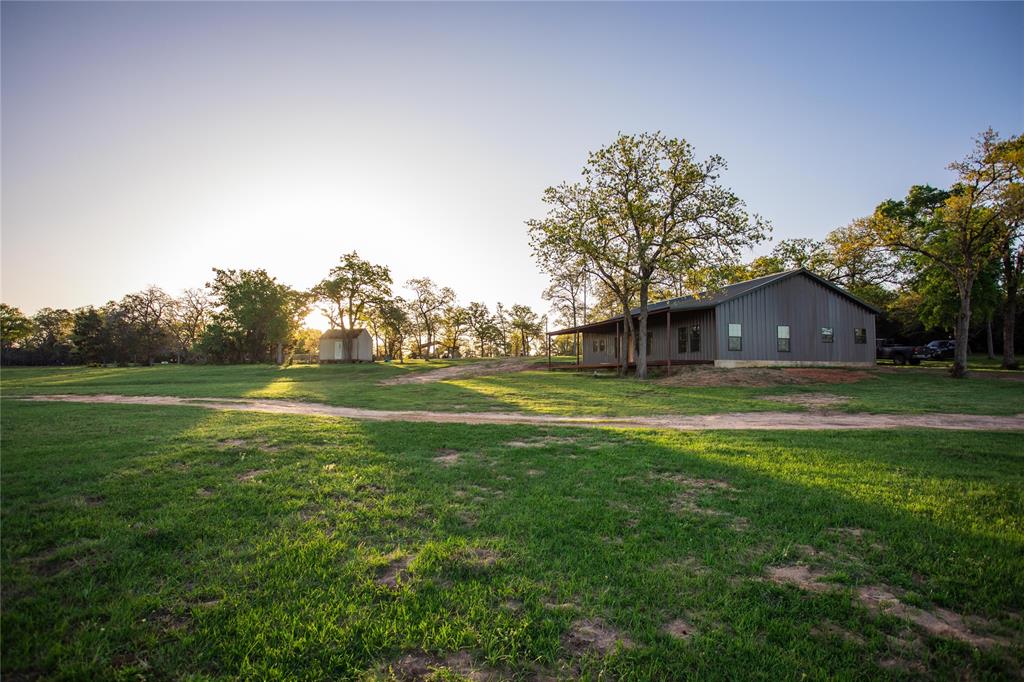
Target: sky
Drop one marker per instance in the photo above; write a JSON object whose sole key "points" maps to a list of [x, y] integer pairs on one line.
{"points": [[146, 143]]}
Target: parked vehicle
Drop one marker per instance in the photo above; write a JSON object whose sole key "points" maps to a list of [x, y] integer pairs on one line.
{"points": [[887, 349], [941, 350]]}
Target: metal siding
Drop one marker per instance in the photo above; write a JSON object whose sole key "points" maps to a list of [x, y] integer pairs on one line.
{"points": [[706, 320], [591, 357], [804, 305], [661, 347]]}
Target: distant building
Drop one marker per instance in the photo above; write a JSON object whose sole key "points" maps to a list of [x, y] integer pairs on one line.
{"points": [[789, 318], [334, 345]]}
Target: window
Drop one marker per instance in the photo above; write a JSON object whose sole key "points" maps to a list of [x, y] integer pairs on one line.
{"points": [[826, 334], [735, 337], [636, 341], [601, 345], [695, 338], [860, 335], [783, 338], [682, 339]]}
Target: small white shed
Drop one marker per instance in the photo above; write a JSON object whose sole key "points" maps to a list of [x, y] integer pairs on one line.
{"points": [[334, 345]]}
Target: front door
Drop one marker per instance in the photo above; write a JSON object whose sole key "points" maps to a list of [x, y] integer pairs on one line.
{"points": [[339, 350]]}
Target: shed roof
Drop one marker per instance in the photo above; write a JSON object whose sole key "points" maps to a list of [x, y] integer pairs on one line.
{"points": [[342, 333], [710, 299]]}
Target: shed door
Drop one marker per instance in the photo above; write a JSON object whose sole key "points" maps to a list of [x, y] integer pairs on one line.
{"points": [[339, 350]]}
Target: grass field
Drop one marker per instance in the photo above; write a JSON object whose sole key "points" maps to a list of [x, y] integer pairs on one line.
{"points": [[175, 542], [889, 390], [144, 542]]}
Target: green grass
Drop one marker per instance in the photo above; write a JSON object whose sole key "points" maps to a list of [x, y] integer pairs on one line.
{"points": [[131, 549], [906, 391]]}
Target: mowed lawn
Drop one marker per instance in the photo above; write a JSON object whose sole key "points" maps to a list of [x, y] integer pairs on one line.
{"points": [[903, 390], [175, 542]]}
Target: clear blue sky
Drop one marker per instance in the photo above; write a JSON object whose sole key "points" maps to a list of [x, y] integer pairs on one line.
{"points": [[144, 143]]}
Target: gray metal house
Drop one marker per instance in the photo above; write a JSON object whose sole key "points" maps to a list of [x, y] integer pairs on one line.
{"points": [[789, 318]]}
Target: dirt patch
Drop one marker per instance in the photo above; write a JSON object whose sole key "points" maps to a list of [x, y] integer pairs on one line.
{"points": [[422, 666], [396, 571], [689, 565], [812, 400], [258, 444], [51, 566], [938, 622], [678, 629], [534, 472], [250, 475], [446, 458], [687, 500], [856, 533], [205, 492], [594, 635], [765, 421], [93, 500], [478, 557], [167, 620], [697, 375], [902, 665], [829, 629], [696, 485], [804, 577], [206, 603], [462, 371]]}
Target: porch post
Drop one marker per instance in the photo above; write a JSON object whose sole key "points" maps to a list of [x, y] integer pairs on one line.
{"points": [[578, 336], [668, 337]]}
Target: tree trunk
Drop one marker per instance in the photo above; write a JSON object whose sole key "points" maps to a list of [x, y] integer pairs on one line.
{"points": [[350, 340], [641, 349], [627, 323], [1011, 276], [1009, 318], [989, 345], [963, 328]]}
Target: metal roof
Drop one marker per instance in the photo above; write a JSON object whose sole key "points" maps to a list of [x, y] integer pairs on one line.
{"points": [[710, 299], [342, 333]]}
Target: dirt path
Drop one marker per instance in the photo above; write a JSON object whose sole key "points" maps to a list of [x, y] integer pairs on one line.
{"points": [[768, 421], [466, 370]]}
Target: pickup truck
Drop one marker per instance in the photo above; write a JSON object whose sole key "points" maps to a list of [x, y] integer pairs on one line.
{"points": [[940, 350], [887, 349]]}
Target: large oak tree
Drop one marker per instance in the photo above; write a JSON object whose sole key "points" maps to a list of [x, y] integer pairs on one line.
{"points": [[646, 205], [960, 230], [349, 290]]}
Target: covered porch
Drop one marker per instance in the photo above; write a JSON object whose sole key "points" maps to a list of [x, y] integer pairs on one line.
{"points": [[674, 338]]}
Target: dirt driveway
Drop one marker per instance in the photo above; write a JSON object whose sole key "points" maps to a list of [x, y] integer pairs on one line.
{"points": [[767, 421]]}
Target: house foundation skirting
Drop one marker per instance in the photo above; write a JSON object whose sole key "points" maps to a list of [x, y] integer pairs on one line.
{"points": [[733, 364]]}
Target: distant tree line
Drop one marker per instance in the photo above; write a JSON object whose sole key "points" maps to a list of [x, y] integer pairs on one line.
{"points": [[429, 323], [247, 316], [649, 221]]}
